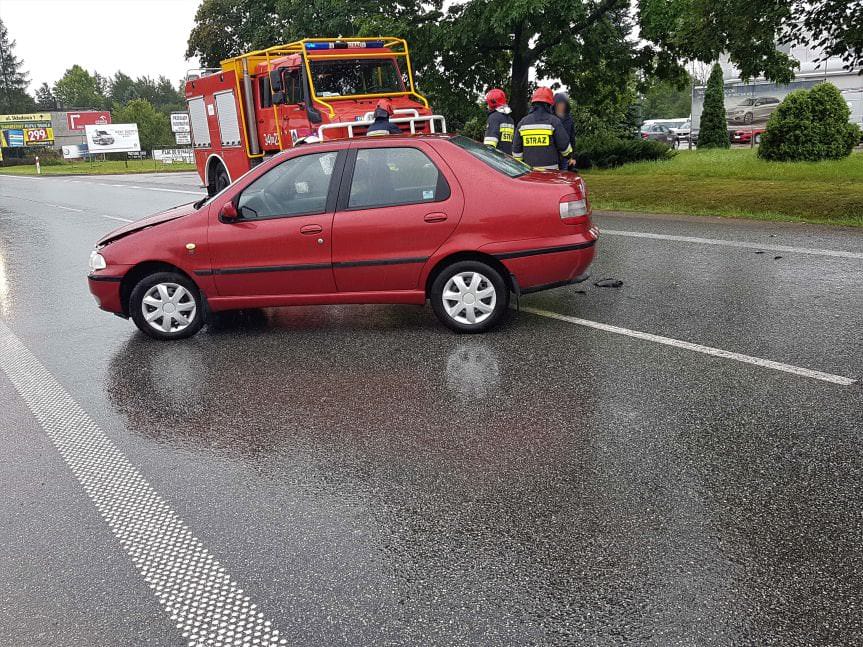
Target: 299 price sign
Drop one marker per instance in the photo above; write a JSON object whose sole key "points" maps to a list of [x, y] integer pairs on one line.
{"points": [[38, 135]]}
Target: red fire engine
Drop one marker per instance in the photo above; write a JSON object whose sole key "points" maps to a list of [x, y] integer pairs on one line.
{"points": [[260, 103]]}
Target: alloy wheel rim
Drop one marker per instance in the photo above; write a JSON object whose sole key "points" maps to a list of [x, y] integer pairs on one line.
{"points": [[469, 298], [168, 307]]}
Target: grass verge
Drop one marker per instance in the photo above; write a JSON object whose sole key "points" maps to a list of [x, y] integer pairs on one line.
{"points": [[736, 183], [110, 167]]}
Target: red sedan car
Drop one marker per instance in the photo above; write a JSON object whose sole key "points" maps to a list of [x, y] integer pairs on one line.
{"points": [[384, 220]]}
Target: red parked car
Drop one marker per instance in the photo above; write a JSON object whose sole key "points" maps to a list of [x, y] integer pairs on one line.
{"points": [[384, 220]]}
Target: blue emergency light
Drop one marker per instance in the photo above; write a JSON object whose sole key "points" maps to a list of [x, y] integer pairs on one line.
{"points": [[349, 44]]}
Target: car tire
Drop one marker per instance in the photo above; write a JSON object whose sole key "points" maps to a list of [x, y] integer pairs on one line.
{"points": [[747, 118], [184, 315], [469, 296]]}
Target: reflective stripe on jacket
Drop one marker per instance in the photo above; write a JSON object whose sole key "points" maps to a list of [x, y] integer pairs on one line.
{"points": [[540, 139], [382, 126], [499, 131]]}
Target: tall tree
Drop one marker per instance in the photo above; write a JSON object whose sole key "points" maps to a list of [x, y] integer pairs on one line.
{"points": [[714, 128], [45, 99], [77, 88], [590, 45], [665, 100], [154, 128], [13, 79]]}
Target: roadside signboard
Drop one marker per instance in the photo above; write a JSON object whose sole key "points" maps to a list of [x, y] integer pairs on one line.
{"points": [[180, 122], [78, 120], [112, 138], [183, 138], [75, 151], [12, 138], [137, 155], [26, 129], [171, 155]]}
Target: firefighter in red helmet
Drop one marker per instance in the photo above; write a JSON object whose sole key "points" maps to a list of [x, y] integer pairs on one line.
{"points": [[382, 125], [500, 124], [540, 140]]}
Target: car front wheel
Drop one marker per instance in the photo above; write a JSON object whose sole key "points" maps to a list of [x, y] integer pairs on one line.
{"points": [[469, 297], [166, 306]]}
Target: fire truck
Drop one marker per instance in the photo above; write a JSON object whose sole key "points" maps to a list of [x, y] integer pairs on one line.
{"points": [[263, 102]]}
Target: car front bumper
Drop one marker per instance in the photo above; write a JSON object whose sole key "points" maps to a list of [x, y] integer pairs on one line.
{"points": [[105, 288]]}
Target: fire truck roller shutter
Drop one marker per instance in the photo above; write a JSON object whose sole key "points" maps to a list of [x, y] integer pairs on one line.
{"points": [[226, 113], [198, 118]]}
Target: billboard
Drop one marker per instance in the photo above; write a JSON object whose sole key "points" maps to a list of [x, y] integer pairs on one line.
{"points": [[26, 129], [75, 151], [180, 122], [76, 121], [112, 138], [171, 155]]}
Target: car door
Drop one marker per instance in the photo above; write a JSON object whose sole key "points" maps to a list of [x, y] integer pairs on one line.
{"points": [[397, 205], [281, 242]]}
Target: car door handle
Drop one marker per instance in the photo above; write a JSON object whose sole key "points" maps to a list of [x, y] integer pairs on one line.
{"points": [[311, 229], [435, 217]]}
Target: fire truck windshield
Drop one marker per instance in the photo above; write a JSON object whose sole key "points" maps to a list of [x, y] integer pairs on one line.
{"points": [[349, 77]]}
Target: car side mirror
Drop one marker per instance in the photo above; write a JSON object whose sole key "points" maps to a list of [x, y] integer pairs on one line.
{"points": [[228, 212]]}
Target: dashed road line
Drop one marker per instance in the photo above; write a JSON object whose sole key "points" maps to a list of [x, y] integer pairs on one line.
{"points": [[124, 186], [734, 243], [207, 605], [707, 350], [117, 218]]}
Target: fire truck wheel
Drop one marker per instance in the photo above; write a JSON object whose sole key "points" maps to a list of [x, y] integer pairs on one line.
{"points": [[222, 180]]}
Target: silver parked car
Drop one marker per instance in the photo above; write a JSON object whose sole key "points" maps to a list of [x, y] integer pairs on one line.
{"points": [[752, 109]]}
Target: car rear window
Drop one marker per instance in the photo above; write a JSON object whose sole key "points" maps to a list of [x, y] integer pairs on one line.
{"points": [[491, 157]]}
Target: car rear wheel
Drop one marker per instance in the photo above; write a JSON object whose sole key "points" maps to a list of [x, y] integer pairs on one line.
{"points": [[166, 306], [469, 296]]}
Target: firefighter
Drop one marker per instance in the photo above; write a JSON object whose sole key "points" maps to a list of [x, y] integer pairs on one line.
{"points": [[563, 111], [500, 125], [382, 125], [540, 140]]}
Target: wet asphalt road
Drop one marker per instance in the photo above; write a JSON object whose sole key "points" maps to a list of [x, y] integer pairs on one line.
{"points": [[369, 478]]}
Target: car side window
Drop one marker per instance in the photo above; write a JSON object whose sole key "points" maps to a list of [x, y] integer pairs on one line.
{"points": [[392, 176], [296, 187]]}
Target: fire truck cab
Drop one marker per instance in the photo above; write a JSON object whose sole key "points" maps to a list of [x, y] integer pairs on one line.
{"points": [[260, 103]]}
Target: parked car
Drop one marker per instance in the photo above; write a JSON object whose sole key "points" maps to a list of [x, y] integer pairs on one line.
{"points": [[657, 132], [746, 136], [752, 109], [103, 138], [385, 220]]}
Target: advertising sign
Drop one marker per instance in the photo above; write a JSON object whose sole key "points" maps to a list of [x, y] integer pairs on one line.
{"points": [[12, 138], [26, 129], [78, 120], [38, 136], [112, 138], [171, 155], [183, 138], [180, 122], [75, 151]]}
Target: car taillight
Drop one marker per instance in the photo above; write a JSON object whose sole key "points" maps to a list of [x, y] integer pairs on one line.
{"points": [[573, 207]]}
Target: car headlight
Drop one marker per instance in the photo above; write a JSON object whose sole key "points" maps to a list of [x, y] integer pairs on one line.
{"points": [[97, 261]]}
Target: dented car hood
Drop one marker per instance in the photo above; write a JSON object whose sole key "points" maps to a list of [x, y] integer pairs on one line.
{"points": [[149, 221]]}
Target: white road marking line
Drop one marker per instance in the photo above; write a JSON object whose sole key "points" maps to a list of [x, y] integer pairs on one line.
{"points": [[707, 350], [60, 206], [208, 607], [174, 191], [124, 186], [734, 243], [116, 218]]}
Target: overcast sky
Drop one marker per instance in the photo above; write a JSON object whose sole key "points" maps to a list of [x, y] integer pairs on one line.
{"points": [[139, 37]]}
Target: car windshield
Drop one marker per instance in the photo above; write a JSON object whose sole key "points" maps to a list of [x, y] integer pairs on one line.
{"points": [[492, 157], [345, 78]]}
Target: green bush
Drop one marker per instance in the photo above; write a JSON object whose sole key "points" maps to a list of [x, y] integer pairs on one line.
{"points": [[474, 128], [607, 151], [714, 127], [810, 125], [27, 157]]}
